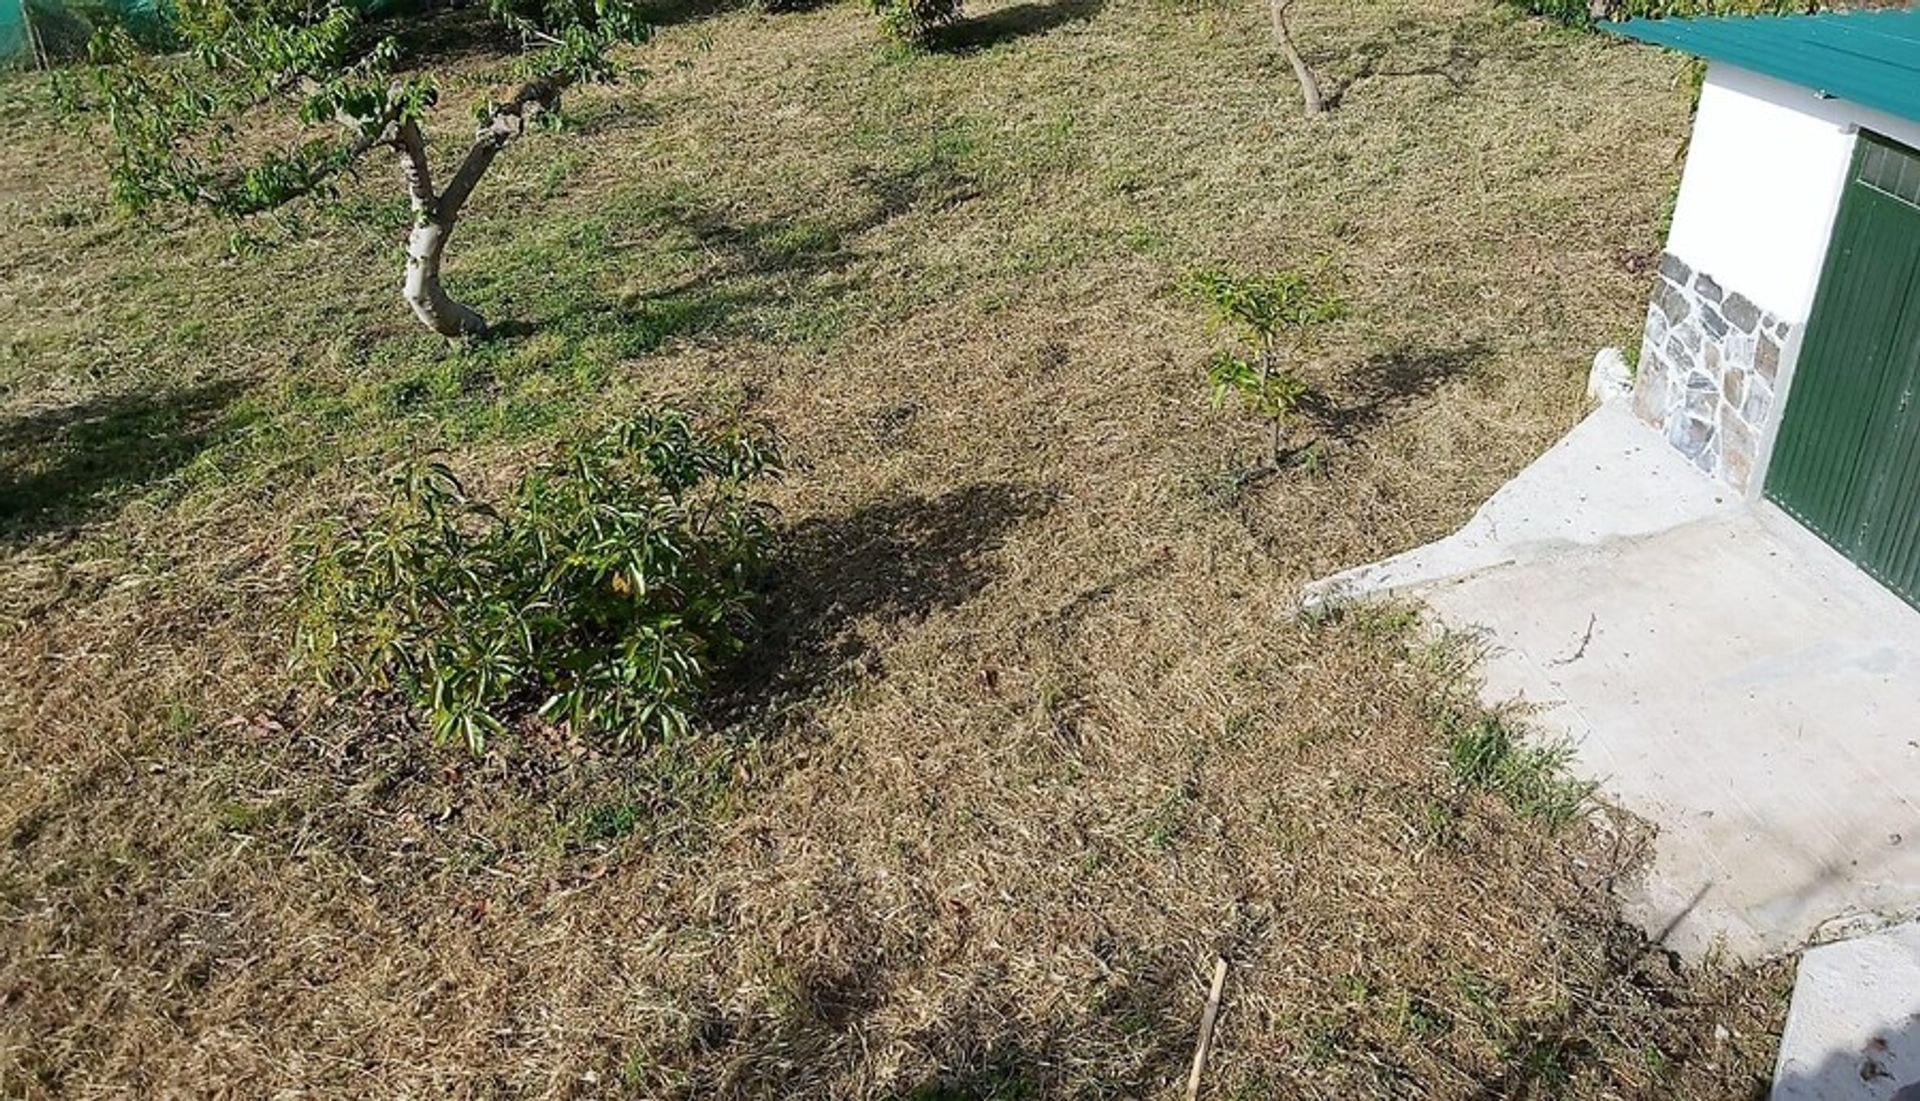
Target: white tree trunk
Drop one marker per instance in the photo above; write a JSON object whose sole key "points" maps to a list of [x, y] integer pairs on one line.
{"points": [[1283, 37], [422, 290], [435, 214]]}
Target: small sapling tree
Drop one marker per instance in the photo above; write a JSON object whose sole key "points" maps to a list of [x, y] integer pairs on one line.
{"points": [[914, 21], [1273, 313], [193, 128]]}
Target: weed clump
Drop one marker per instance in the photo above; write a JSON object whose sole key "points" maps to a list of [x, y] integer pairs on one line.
{"points": [[1486, 755], [600, 596], [914, 21]]}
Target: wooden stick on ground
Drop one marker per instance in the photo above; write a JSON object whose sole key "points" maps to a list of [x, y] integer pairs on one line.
{"points": [[1206, 1027]]}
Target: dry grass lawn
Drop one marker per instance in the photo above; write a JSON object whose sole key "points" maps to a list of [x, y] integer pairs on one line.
{"points": [[1034, 731]]}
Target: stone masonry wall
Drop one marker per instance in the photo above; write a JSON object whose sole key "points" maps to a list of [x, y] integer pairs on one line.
{"points": [[1709, 366]]}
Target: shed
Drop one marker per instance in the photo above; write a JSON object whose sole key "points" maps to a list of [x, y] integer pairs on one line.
{"points": [[1781, 353]]}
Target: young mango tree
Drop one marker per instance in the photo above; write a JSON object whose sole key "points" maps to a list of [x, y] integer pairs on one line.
{"points": [[194, 128], [1273, 313]]}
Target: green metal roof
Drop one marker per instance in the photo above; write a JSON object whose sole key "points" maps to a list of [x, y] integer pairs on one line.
{"points": [[1871, 58]]}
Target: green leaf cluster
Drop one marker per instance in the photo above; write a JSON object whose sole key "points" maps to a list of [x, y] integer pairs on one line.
{"points": [[188, 128], [1272, 394], [914, 21], [601, 595], [179, 123], [1263, 307]]}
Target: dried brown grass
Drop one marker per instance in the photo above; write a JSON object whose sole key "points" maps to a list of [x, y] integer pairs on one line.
{"points": [[1034, 731]]}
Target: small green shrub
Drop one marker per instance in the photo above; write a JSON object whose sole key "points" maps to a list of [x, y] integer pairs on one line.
{"points": [[600, 596], [1485, 755], [1272, 313], [914, 21]]}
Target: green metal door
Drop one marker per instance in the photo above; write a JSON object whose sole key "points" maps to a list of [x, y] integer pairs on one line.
{"points": [[1847, 463]]}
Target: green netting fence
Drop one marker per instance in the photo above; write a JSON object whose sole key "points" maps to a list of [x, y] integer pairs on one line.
{"points": [[44, 32], [16, 40]]}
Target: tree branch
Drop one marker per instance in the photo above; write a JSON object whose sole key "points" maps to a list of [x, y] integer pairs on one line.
{"points": [[508, 121], [1283, 37], [412, 146]]}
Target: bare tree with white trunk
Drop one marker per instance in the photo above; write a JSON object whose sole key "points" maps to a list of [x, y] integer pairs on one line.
{"points": [[181, 124], [436, 213]]}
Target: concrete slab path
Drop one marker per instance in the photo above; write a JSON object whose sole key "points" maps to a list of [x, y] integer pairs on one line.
{"points": [[1718, 669], [1854, 1028], [1746, 689]]}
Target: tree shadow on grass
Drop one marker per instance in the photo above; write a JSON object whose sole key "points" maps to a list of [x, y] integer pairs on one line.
{"points": [[996, 1051], [1384, 384], [429, 34], [1011, 24], [989, 1048], [741, 269], [673, 13], [810, 247], [59, 467], [1415, 47], [892, 561]]}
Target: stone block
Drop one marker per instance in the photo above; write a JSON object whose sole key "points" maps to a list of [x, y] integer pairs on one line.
{"points": [[1652, 392], [1688, 334], [1693, 437], [1738, 449], [1736, 468], [1758, 403], [1733, 387], [1672, 268], [1672, 301], [1737, 352], [1712, 322], [1610, 378], [1740, 313], [1766, 359], [1735, 435], [1710, 359], [1656, 325], [1702, 395], [1677, 353], [1706, 288]]}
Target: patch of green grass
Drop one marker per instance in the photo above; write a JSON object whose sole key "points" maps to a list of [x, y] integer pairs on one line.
{"points": [[599, 823], [243, 817], [1000, 1083], [1435, 821], [1420, 1018], [1169, 821], [1257, 1086], [666, 799], [1486, 754]]}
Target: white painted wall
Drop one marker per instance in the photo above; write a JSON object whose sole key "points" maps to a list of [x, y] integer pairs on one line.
{"points": [[1762, 183]]}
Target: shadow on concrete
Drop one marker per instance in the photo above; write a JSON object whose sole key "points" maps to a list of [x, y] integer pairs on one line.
{"points": [[1885, 1068]]}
